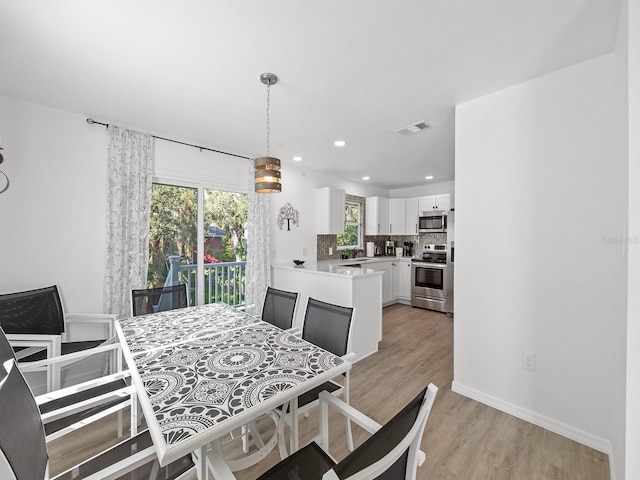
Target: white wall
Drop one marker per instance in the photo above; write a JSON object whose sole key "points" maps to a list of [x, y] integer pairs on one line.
{"points": [[299, 187], [422, 190], [52, 218], [537, 159], [633, 319], [619, 328]]}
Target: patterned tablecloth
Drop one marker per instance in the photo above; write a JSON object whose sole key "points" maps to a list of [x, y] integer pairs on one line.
{"points": [[202, 371]]}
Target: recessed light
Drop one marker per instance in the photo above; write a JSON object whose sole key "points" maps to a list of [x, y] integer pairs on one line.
{"points": [[297, 159], [339, 143], [366, 178], [429, 177]]}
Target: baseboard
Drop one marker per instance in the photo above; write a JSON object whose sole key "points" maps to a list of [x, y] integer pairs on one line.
{"points": [[612, 466], [597, 443]]}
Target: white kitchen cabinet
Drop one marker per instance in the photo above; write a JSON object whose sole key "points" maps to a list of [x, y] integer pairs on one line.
{"points": [[396, 216], [387, 280], [411, 216], [330, 204], [404, 280], [434, 202], [377, 217], [395, 284]]}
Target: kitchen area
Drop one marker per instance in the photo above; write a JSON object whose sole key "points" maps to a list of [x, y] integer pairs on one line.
{"points": [[406, 252]]}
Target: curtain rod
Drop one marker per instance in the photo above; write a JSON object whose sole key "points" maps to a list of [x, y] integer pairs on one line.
{"points": [[91, 121]]}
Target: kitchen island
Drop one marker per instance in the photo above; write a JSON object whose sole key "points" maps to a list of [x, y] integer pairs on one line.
{"points": [[333, 282]]}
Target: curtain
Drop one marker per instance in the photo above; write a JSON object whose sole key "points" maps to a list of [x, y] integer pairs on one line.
{"points": [[258, 269], [129, 179]]}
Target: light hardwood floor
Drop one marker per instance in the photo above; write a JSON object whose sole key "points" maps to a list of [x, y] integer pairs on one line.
{"points": [[463, 440]]}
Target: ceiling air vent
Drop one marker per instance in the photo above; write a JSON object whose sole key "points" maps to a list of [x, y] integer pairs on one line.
{"points": [[414, 128]]}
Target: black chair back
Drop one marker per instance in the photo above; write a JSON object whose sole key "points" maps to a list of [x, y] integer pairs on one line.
{"points": [[383, 442], [279, 307], [32, 312], [6, 351], [22, 438], [327, 326], [161, 299]]}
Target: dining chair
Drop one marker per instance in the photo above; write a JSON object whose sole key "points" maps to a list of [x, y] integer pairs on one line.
{"points": [[36, 326], [161, 299], [391, 453], [279, 308], [24, 446], [63, 411], [327, 326]]}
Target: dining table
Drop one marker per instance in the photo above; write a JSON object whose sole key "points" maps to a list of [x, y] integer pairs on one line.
{"points": [[202, 372]]}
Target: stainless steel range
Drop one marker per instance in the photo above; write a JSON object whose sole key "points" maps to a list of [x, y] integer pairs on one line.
{"points": [[432, 279]]}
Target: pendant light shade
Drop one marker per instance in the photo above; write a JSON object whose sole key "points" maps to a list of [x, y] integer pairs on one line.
{"points": [[267, 175], [267, 169]]}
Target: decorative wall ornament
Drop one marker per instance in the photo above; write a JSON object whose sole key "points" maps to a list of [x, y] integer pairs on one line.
{"points": [[289, 214], [4, 180]]}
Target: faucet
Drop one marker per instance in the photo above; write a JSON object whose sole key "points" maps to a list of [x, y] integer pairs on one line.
{"points": [[356, 251]]}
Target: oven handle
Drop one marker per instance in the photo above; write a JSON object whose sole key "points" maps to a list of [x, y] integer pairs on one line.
{"points": [[428, 265]]}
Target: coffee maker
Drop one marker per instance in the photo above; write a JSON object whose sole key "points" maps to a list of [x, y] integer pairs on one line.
{"points": [[408, 249], [389, 247]]}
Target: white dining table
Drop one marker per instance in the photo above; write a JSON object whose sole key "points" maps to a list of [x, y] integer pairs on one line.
{"points": [[201, 372]]}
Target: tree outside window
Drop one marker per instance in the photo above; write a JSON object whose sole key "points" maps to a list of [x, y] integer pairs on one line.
{"points": [[352, 236]]}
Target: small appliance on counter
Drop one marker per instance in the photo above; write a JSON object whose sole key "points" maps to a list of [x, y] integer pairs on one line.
{"points": [[390, 248], [408, 249], [371, 249], [399, 251]]}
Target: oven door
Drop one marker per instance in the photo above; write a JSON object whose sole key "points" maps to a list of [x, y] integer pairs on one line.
{"points": [[428, 280]]}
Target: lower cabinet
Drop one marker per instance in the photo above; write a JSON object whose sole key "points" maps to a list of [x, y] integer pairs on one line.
{"points": [[404, 280], [387, 280], [396, 281]]}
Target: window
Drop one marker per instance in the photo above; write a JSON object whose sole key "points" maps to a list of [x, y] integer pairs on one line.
{"points": [[352, 236], [175, 235]]}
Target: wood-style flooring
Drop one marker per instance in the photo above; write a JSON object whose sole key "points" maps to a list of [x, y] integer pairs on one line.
{"points": [[463, 440]]}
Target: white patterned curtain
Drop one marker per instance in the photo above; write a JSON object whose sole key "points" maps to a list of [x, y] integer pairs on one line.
{"points": [[258, 269], [129, 179]]}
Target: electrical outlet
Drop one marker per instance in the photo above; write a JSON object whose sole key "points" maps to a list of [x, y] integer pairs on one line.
{"points": [[330, 250], [305, 252], [529, 361]]}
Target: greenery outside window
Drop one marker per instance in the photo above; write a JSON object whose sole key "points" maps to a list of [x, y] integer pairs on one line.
{"points": [[352, 236], [176, 238]]}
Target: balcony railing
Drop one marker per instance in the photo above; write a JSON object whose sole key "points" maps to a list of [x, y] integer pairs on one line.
{"points": [[223, 282]]}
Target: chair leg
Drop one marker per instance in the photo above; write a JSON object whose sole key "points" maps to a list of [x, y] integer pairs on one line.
{"points": [[346, 399], [349, 435], [244, 433], [293, 427], [281, 438]]}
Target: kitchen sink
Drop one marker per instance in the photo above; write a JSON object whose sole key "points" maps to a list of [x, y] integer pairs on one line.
{"points": [[357, 265]]}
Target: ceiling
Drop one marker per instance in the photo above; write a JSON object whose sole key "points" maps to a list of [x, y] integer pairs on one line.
{"points": [[353, 70]]}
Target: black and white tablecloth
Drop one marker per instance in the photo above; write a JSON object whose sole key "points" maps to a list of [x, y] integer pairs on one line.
{"points": [[201, 366]]}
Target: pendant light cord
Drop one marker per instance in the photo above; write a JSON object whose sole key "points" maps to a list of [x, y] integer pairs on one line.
{"points": [[268, 118]]}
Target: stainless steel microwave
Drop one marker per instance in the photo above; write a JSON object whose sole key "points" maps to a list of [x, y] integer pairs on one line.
{"points": [[432, 221]]}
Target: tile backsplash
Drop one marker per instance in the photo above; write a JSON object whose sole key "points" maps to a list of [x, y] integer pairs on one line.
{"points": [[324, 242]]}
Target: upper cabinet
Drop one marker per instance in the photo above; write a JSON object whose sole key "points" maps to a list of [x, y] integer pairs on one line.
{"points": [[377, 218], [434, 202], [330, 204], [411, 216], [396, 216]]}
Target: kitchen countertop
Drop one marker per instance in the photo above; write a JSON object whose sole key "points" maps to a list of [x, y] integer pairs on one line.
{"points": [[342, 266]]}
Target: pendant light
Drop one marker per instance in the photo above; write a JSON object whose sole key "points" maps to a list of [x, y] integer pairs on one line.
{"points": [[267, 169]]}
